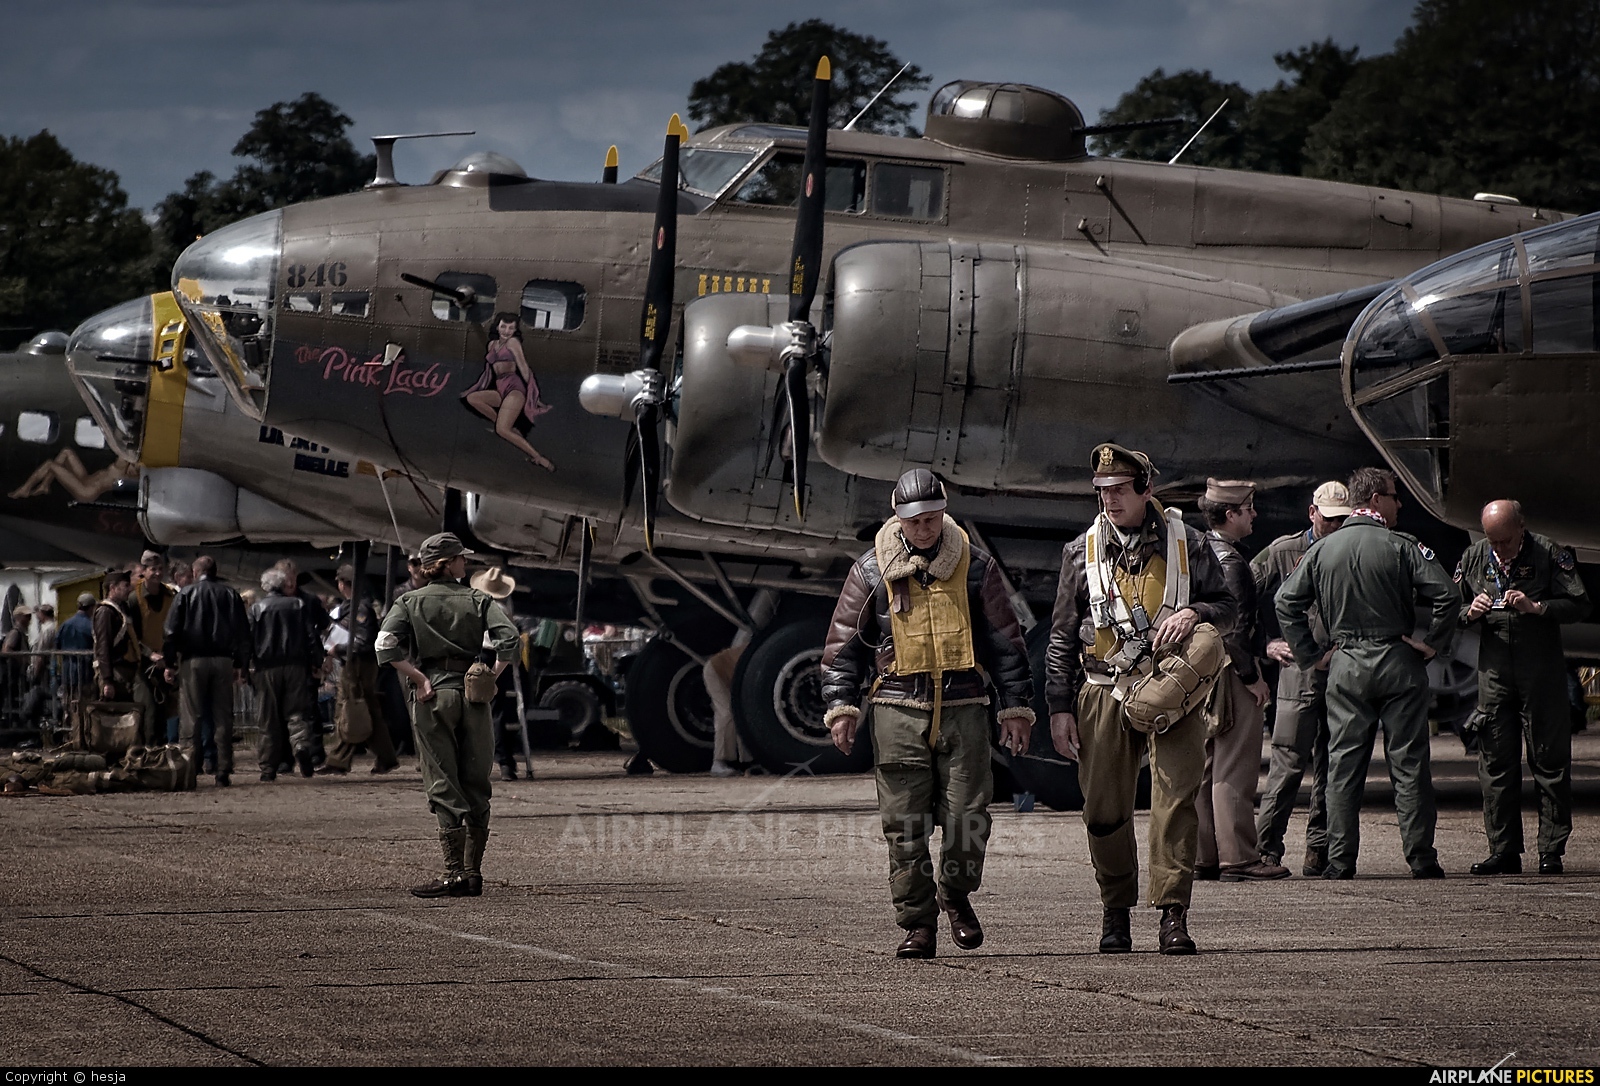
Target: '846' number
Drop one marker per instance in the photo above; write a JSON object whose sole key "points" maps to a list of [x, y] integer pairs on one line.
{"points": [[332, 275]]}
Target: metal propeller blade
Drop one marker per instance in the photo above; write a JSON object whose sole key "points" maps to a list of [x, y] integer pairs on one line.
{"points": [[805, 266], [806, 257], [655, 334], [799, 401], [608, 176]]}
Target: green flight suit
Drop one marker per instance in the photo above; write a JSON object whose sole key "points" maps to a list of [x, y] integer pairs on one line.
{"points": [[442, 626], [1366, 580], [1522, 688]]}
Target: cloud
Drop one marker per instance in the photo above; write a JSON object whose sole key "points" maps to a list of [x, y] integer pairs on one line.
{"points": [[159, 90]]}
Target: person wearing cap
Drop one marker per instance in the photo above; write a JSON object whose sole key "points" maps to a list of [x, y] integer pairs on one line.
{"points": [[1519, 588], [1167, 581], [432, 636], [151, 601], [1367, 579], [494, 583], [1227, 801], [924, 630], [1300, 718], [359, 680]]}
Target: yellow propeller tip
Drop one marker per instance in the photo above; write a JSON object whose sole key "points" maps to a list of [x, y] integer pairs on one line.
{"points": [[673, 125], [824, 69], [611, 156]]}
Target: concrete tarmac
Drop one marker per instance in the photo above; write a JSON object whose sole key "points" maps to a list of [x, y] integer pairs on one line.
{"points": [[690, 920]]}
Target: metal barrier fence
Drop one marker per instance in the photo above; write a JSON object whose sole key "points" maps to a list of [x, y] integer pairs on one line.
{"points": [[39, 689]]}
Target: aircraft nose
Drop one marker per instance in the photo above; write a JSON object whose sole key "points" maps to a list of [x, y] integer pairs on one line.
{"points": [[109, 358], [225, 283]]}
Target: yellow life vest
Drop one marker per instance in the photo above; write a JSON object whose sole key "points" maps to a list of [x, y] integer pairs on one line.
{"points": [[934, 634]]}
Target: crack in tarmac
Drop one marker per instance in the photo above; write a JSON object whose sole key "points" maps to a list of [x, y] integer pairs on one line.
{"points": [[88, 989]]}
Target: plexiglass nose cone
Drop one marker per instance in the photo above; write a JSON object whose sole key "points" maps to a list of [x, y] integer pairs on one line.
{"points": [[107, 357], [225, 283]]}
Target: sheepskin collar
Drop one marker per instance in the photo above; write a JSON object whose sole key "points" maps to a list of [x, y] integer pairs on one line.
{"points": [[896, 563]]}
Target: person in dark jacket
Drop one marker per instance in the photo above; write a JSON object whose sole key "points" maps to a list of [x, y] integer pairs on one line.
{"points": [[317, 615], [1227, 801], [359, 680], [284, 650], [77, 635], [924, 611], [1160, 580], [208, 643], [1519, 588]]}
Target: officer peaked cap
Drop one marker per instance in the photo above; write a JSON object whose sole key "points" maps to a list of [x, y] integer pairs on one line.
{"points": [[1113, 464]]}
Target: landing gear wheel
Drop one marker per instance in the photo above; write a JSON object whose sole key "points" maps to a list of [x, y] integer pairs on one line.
{"points": [[578, 705], [669, 710], [777, 701]]}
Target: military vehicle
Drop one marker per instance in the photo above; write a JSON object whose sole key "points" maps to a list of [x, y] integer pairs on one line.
{"points": [[995, 302]]}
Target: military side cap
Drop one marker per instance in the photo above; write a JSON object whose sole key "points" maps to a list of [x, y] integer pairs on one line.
{"points": [[1113, 464], [441, 546], [1230, 491], [1332, 499]]}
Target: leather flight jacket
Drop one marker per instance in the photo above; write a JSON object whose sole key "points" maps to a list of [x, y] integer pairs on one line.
{"points": [[860, 643], [208, 619], [281, 632]]}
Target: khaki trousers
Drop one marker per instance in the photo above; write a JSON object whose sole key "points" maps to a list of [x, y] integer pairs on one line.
{"points": [[949, 786], [1108, 773], [1226, 805]]}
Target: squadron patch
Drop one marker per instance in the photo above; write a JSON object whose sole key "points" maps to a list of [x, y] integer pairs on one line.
{"points": [[1566, 559], [1428, 553], [1459, 573]]}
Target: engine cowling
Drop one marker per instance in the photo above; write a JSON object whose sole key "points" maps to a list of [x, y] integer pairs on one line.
{"points": [[191, 507], [1001, 366]]}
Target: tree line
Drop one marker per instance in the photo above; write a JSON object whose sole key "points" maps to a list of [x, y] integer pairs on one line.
{"points": [[1476, 95]]}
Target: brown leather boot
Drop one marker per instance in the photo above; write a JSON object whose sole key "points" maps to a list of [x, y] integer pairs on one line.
{"points": [[453, 844], [919, 943], [965, 931], [1175, 930]]}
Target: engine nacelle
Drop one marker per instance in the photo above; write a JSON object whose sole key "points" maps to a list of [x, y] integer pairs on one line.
{"points": [[1001, 366], [190, 507], [728, 462]]}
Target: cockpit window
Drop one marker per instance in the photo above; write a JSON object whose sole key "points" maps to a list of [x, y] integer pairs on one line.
{"points": [[776, 183], [304, 301], [704, 170], [448, 307], [903, 191]]}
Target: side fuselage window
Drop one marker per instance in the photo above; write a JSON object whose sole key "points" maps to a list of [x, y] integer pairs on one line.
{"points": [[87, 435], [776, 183], [547, 303], [38, 427], [448, 307], [350, 303], [903, 191]]}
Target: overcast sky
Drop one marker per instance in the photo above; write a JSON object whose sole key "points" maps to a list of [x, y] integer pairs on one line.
{"points": [[156, 91]]}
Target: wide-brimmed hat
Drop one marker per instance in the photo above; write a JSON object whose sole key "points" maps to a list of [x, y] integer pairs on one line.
{"points": [[493, 582]]}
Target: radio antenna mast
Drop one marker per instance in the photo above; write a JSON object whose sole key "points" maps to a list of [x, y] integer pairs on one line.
{"points": [[1197, 132]]}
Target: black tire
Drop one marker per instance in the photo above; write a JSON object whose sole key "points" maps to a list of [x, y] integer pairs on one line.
{"points": [[777, 701], [669, 710], [578, 704]]}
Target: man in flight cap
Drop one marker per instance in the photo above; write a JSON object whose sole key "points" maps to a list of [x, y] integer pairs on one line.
{"points": [[1136, 581], [927, 614]]}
